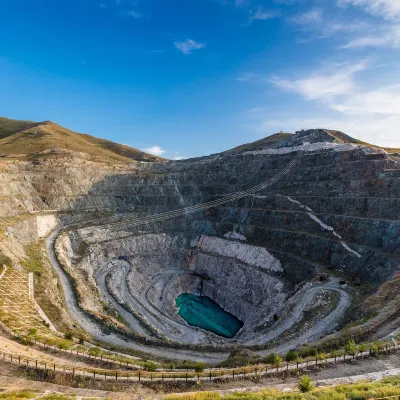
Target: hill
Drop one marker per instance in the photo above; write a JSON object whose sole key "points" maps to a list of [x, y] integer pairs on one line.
{"points": [[264, 142], [26, 138]]}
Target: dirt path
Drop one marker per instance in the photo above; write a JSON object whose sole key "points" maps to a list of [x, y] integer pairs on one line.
{"points": [[95, 330], [325, 325]]}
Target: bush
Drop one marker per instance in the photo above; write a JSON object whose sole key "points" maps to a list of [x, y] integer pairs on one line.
{"points": [[68, 336], [291, 356], [305, 384], [150, 366], [32, 332], [350, 346], [308, 352], [199, 367]]}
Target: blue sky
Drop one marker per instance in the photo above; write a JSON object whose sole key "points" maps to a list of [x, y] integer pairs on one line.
{"points": [[184, 78]]}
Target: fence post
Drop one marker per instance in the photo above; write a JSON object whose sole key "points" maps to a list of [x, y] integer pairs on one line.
{"points": [[210, 375], [139, 376], [233, 374], [19, 360], [116, 376]]}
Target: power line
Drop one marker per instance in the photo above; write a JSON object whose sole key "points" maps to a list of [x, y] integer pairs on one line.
{"points": [[200, 207]]}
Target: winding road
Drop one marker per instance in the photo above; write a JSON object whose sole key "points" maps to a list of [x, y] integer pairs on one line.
{"points": [[95, 330], [325, 325]]}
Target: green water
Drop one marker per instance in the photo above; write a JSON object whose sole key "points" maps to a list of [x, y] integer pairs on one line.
{"points": [[202, 312]]}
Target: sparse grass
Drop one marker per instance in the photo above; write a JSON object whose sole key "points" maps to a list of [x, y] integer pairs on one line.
{"points": [[18, 395], [17, 310], [33, 262], [31, 138], [358, 391]]}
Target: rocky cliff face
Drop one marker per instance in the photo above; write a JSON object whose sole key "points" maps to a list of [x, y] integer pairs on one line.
{"points": [[336, 214]]}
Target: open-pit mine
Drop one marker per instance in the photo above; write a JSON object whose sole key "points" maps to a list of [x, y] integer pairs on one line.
{"points": [[267, 247]]}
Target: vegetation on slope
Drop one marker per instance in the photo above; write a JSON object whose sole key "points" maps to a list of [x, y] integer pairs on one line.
{"points": [[30, 138], [11, 126], [359, 391], [277, 137]]}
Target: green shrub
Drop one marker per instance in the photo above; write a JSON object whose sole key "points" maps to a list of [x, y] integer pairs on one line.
{"points": [[305, 384], [150, 366], [291, 356], [350, 346], [32, 332], [199, 367], [308, 352], [68, 336]]}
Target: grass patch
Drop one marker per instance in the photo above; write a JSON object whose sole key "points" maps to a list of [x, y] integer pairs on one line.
{"points": [[24, 394], [358, 391], [33, 262]]}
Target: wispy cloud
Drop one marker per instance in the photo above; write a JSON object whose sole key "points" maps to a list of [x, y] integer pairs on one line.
{"points": [[387, 9], [155, 150], [259, 14], [134, 14], [188, 46], [314, 15], [371, 113], [373, 129], [323, 85], [389, 36], [241, 3], [322, 27], [252, 78]]}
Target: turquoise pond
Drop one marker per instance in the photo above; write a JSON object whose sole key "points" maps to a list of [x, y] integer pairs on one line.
{"points": [[202, 312]]}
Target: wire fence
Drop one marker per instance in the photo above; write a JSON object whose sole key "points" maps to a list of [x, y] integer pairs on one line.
{"points": [[252, 371]]}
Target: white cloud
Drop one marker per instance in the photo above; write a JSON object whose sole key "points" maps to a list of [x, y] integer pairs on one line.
{"points": [[368, 113], [177, 158], [259, 14], [372, 129], [314, 21], [155, 150], [388, 37], [388, 9], [323, 85], [188, 46], [311, 16], [383, 100]]}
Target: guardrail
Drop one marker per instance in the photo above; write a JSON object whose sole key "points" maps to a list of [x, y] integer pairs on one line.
{"points": [[215, 374]]}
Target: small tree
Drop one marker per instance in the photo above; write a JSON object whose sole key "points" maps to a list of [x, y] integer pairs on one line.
{"points": [[305, 384], [276, 361], [291, 356], [68, 336], [350, 346], [321, 357], [375, 347], [150, 366], [362, 348], [199, 367]]}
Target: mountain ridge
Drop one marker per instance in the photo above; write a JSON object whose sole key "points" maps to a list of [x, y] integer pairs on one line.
{"points": [[24, 139]]}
